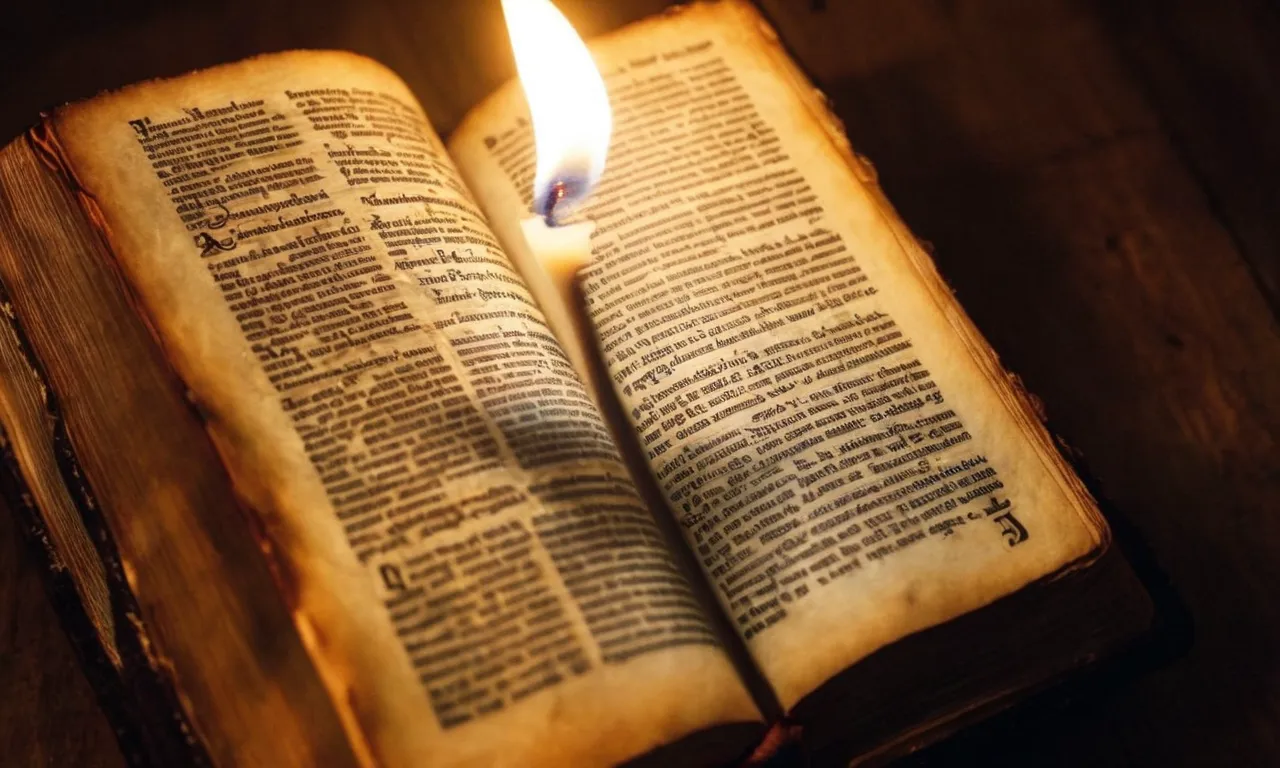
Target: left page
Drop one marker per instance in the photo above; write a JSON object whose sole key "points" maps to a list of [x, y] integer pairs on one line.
{"points": [[466, 560]]}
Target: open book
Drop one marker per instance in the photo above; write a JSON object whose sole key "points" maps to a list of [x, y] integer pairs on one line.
{"points": [[318, 486]]}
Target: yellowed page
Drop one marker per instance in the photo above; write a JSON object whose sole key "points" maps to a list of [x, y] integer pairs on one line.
{"points": [[840, 447], [473, 573]]}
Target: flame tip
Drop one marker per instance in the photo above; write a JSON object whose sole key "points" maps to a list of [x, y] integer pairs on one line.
{"points": [[568, 104]]}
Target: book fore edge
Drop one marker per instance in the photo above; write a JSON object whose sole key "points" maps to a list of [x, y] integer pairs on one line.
{"points": [[138, 695]]}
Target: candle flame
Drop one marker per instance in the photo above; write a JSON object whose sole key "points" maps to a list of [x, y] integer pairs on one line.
{"points": [[572, 120]]}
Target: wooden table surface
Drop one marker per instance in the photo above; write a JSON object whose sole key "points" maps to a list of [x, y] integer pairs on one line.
{"points": [[1102, 185]]}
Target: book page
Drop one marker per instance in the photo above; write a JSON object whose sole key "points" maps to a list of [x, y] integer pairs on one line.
{"points": [[466, 559], [843, 452]]}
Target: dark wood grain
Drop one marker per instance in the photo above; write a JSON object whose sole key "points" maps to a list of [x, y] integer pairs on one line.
{"points": [[48, 714], [1101, 186], [1212, 73]]}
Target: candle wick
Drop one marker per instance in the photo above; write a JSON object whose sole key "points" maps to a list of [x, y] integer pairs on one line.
{"points": [[556, 195], [564, 190]]}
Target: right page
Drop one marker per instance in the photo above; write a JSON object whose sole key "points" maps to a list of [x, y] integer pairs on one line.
{"points": [[841, 448]]}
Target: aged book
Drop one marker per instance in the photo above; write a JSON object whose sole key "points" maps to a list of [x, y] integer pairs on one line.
{"points": [[317, 485]]}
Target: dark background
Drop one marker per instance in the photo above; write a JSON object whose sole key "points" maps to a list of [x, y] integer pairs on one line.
{"points": [[1102, 183]]}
